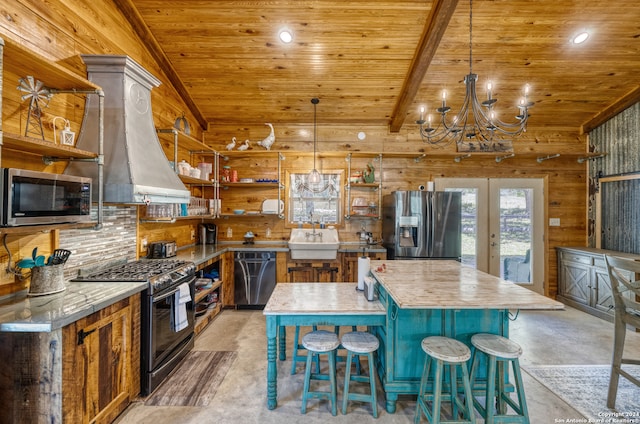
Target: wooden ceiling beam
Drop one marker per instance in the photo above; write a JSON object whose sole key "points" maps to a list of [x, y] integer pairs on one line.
{"points": [[612, 110], [434, 28], [131, 13]]}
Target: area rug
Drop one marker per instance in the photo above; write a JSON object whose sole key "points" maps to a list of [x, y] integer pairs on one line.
{"points": [[585, 388], [195, 381]]}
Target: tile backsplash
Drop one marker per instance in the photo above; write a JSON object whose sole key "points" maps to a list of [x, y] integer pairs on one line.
{"points": [[114, 242]]}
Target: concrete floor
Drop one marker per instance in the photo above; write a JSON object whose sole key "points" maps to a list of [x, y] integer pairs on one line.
{"points": [[547, 338]]}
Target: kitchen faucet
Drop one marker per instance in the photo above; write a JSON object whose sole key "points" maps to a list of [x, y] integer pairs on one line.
{"points": [[313, 234]]}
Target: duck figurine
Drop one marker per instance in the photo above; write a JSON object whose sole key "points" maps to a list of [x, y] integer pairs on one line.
{"points": [[269, 140], [244, 146], [232, 145]]}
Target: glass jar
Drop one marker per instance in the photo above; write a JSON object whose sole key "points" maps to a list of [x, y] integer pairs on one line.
{"points": [[225, 176]]}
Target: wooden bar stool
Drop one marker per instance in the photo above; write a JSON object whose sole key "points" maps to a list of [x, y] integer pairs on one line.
{"points": [[451, 353], [359, 343], [499, 350], [317, 343]]}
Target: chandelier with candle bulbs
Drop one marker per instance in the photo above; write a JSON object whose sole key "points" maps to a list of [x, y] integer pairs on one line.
{"points": [[476, 122]]}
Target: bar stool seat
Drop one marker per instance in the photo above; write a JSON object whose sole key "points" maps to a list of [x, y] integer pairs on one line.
{"points": [[499, 350], [359, 343], [317, 343], [448, 352]]}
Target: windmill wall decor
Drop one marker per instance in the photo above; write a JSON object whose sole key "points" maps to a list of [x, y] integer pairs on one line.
{"points": [[39, 97]]}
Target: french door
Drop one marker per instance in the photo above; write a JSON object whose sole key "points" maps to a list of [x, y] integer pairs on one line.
{"points": [[503, 230]]}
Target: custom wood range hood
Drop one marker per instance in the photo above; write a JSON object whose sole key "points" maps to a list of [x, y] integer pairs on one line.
{"points": [[136, 170]]}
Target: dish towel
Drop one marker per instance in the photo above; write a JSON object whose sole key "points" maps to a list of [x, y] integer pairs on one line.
{"points": [[181, 298]]}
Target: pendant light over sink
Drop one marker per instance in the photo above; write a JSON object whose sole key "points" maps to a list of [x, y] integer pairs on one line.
{"points": [[314, 175]]}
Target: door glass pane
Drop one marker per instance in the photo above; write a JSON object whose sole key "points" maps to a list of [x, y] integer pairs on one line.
{"points": [[469, 224], [516, 234]]}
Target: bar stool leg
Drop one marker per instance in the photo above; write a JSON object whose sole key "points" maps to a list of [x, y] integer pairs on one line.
{"points": [[307, 381], [454, 390], [296, 347], [420, 406], [333, 382], [347, 378], [522, 401], [372, 384], [491, 390]]}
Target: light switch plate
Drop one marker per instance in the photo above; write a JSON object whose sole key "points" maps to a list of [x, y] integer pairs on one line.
{"points": [[554, 222]]}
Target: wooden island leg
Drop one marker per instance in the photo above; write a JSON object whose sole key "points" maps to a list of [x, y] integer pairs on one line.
{"points": [[272, 370]]}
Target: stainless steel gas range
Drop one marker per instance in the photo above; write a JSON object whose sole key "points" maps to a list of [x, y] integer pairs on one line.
{"points": [[164, 344]]}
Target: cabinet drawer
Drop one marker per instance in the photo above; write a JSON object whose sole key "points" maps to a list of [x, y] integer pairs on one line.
{"points": [[600, 262], [576, 257]]}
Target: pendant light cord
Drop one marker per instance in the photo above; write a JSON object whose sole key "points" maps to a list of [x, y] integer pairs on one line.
{"points": [[470, 37], [315, 102]]}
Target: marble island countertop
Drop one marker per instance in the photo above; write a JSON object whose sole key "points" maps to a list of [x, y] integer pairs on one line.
{"points": [[22, 313], [446, 284]]}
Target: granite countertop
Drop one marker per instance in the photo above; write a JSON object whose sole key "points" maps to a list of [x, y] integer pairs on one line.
{"points": [[444, 284], [200, 254], [22, 313], [596, 251]]}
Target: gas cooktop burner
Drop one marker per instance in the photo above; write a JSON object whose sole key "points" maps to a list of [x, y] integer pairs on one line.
{"points": [[158, 272]]}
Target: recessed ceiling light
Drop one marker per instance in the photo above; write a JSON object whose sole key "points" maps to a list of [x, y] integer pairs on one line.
{"points": [[286, 36], [580, 38]]}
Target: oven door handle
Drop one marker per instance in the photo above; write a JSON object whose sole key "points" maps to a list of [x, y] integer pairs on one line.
{"points": [[172, 292]]}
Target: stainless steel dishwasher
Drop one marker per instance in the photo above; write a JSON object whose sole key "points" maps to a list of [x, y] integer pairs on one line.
{"points": [[254, 278]]}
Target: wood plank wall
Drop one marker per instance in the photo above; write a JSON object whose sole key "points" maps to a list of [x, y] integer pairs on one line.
{"points": [[61, 30]]}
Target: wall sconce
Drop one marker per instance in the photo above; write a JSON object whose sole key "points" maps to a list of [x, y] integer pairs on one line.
{"points": [[67, 137]]}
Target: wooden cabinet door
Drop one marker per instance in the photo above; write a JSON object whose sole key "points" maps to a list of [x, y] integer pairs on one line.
{"points": [[602, 295], [226, 274], [101, 363], [350, 264], [575, 282]]}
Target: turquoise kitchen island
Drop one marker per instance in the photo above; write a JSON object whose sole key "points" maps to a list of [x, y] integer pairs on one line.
{"points": [[414, 299], [438, 298]]}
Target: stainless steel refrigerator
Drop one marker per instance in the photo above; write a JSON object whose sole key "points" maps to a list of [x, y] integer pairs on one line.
{"points": [[422, 225]]}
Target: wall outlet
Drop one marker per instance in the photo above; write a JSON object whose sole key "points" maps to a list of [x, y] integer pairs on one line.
{"points": [[193, 234], [143, 244], [554, 222]]}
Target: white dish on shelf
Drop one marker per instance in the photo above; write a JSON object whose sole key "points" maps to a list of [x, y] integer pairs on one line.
{"points": [[359, 202], [247, 180]]}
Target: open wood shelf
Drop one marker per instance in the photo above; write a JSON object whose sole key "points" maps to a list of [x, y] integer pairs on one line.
{"points": [[203, 293], [22, 61], [249, 185], [194, 181], [43, 148], [184, 140], [32, 229], [204, 319]]}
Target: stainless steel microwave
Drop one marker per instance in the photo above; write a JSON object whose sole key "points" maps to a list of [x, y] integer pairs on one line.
{"points": [[34, 198]]}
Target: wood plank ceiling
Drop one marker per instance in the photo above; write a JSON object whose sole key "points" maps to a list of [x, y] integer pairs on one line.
{"points": [[376, 62]]}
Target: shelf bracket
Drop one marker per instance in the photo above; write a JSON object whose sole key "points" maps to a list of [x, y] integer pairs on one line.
{"points": [[419, 158], [458, 159], [586, 158], [541, 159], [501, 158], [48, 160]]}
